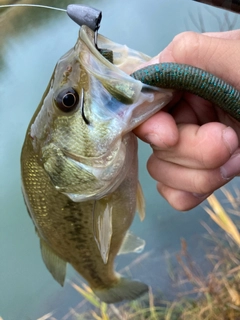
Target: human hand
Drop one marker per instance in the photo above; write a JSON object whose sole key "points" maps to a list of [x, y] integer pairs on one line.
{"points": [[195, 144]]}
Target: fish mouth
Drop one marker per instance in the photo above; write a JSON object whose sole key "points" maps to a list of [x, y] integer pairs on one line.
{"points": [[122, 86], [129, 100]]}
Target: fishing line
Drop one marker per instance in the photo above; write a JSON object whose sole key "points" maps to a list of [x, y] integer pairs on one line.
{"points": [[32, 5], [82, 15]]}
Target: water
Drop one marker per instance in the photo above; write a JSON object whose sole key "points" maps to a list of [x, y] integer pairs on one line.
{"points": [[31, 43]]}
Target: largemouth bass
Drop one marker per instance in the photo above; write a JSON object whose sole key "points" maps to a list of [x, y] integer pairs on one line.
{"points": [[79, 164]]}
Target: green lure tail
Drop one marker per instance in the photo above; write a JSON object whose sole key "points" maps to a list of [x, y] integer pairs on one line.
{"points": [[197, 81]]}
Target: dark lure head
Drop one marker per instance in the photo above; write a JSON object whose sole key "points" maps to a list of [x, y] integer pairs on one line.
{"points": [[85, 15]]}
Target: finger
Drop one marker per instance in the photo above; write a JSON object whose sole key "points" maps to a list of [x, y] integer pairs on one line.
{"points": [[206, 147], [233, 34], [178, 199], [160, 129], [214, 54], [184, 200], [196, 181], [183, 178], [193, 109]]}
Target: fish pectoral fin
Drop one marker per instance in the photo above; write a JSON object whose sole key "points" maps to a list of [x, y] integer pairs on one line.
{"points": [[55, 265], [125, 289], [132, 243], [102, 226], [140, 202]]}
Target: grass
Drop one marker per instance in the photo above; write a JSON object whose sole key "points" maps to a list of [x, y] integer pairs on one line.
{"points": [[140, 309]]}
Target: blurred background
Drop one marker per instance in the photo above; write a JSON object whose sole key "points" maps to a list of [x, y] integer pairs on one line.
{"points": [[31, 42]]}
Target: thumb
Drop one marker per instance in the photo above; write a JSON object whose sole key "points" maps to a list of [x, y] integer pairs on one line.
{"points": [[215, 54]]}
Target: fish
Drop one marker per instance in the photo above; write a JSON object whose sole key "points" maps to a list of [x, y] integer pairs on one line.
{"points": [[79, 164]]}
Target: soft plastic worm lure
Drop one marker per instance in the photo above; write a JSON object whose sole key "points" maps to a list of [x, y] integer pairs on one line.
{"points": [[194, 80]]}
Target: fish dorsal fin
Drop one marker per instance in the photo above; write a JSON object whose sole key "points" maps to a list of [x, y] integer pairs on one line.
{"points": [[132, 243], [102, 227], [140, 202], [55, 265]]}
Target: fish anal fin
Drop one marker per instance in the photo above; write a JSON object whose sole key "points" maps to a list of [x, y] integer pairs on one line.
{"points": [[132, 243], [125, 289], [140, 202], [55, 265]]}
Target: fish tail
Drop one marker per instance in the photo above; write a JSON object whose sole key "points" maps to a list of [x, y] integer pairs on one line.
{"points": [[125, 289]]}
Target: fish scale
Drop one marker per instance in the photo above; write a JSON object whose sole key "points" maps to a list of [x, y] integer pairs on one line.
{"points": [[66, 218]]}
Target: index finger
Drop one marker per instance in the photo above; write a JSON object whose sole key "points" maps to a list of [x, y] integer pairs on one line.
{"points": [[160, 130]]}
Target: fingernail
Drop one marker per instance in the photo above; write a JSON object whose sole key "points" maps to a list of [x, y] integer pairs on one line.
{"points": [[201, 196], [232, 167], [229, 137], [152, 138], [155, 142]]}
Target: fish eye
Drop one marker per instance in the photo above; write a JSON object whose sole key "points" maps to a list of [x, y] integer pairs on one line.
{"points": [[67, 100]]}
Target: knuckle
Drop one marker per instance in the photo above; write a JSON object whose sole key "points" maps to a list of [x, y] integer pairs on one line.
{"points": [[153, 166], [205, 182], [208, 160], [185, 45], [178, 199]]}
